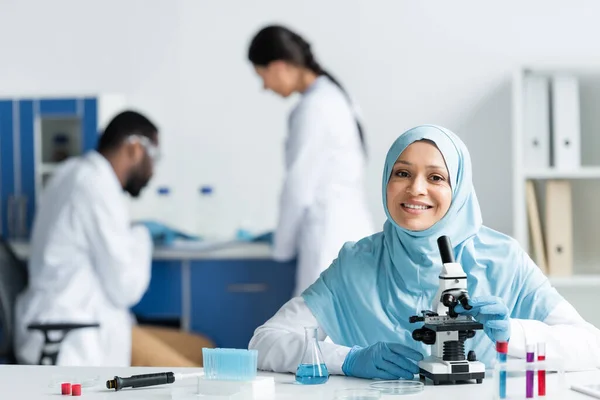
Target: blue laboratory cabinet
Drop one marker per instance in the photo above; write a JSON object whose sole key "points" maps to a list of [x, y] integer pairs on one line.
{"points": [[36, 134], [225, 299]]}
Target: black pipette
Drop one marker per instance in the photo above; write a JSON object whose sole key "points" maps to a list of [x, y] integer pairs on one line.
{"points": [[144, 380]]}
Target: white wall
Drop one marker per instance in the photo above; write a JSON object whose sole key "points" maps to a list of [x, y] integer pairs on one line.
{"points": [[184, 62]]}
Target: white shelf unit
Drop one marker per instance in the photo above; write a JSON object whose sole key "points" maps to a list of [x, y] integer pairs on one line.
{"points": [[551, 173], [585, 179]]}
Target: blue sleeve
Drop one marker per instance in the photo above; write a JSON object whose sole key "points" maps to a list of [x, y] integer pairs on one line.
{"points": [[536, 297], [322, 297]]}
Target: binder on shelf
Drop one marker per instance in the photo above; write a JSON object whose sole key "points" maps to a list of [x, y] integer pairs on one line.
{"points": [[536, 121], [559, 227], [535, 227], [566, 125]]}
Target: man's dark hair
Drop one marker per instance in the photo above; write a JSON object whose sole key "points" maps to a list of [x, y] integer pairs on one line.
{"points": [[123, 125]]}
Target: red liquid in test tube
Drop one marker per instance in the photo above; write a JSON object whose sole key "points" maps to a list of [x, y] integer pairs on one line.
{"points": [[541, 348]]}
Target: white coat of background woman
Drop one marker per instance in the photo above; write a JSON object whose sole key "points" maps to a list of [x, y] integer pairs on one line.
{"points": [[323, 201]]}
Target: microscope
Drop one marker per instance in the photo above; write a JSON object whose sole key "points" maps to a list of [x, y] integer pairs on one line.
{"points": [[447, 331]]}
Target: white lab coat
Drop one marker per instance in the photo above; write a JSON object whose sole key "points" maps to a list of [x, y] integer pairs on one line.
{"points": [[86, 264], [323, 200], [567, 336]]}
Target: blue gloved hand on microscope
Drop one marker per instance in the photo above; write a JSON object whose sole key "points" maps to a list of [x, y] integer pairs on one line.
{"points": [[492, 313], [382, 360], [163, 235]]}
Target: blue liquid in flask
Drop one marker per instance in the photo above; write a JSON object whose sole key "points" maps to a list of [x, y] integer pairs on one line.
{"points": [[312, 374], [311, 369]]}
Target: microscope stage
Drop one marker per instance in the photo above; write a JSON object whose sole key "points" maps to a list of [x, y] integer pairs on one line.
{"points": [[444, 326]]}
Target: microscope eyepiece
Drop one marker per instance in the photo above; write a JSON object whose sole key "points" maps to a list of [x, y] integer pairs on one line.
{"points": [[445, 249]]}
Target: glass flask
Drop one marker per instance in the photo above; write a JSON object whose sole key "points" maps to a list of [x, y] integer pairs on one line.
{"points": [[312, 369]]}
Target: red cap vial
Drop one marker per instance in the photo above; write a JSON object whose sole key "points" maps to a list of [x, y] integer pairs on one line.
{"points": [[76, 390], [502, 347], [65, 388]]}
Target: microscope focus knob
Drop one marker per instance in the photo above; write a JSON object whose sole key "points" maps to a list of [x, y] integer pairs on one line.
{"points": [[471, 356], [464, 300], [424, 335], [449, 300]]}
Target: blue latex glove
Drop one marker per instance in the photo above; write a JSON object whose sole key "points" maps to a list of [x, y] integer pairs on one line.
{"points": [[264, 238], [382, 360], [492, 313], [163, 235], [245, 236]]}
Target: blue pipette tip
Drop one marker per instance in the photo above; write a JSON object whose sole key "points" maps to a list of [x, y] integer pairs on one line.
{"points": [[230, 364]]}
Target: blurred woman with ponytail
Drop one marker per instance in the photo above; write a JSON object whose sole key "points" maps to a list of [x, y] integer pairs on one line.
{"points": [[323, 202]]}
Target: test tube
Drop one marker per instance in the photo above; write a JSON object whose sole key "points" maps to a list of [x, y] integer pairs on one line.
{"points": [[501, 356], [530, 350], [541, 356]]}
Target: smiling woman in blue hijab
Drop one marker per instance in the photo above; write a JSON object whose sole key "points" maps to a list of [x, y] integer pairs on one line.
{"points": [[363, 301]]}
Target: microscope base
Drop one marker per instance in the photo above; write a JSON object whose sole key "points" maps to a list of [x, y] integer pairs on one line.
{"points": [[452, 372]]}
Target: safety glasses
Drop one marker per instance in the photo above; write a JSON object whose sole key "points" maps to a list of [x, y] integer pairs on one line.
{"points": [[151, 149]]}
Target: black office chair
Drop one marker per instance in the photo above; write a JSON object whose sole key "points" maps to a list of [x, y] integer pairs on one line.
{"points": [[13, 280]]}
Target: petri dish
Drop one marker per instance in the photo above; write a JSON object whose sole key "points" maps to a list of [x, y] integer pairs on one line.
{"points": [[357, 394], [398, 387]]}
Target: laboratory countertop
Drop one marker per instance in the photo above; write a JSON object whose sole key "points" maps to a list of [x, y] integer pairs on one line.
{"points": [[191, 250], [35, 382]]}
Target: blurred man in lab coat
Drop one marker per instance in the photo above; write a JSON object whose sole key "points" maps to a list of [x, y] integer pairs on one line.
{"points": [[89, 264]]}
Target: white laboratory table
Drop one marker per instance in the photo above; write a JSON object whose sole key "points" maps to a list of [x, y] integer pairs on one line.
{"points": [[33, 382]]}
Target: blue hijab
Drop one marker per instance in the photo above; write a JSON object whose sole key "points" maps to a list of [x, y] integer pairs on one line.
{"points": [[373, 287]]}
